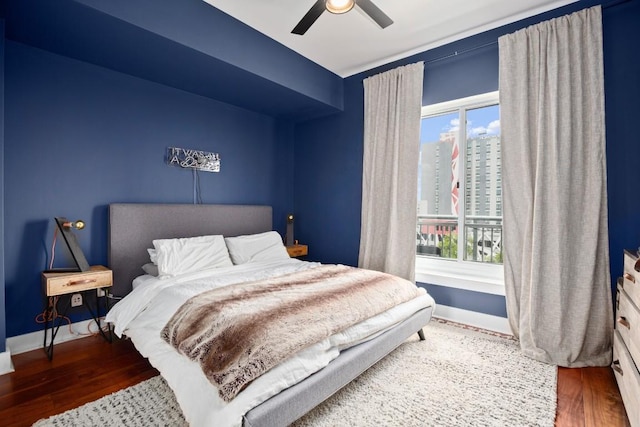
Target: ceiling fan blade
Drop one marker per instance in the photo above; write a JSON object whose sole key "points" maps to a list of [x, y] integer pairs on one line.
{"points": [[375, 13], [307, 20]]}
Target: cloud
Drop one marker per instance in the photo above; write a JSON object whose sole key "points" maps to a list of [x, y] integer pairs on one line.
{"points": [[478, 131], [492, 129], [454, 125]]}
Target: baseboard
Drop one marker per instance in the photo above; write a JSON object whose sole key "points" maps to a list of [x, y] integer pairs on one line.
{"points": [[6, 365], [35, 340], [479, 320]]}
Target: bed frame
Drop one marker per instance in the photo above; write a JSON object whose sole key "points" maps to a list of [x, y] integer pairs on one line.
{"points": [[133, 227]]}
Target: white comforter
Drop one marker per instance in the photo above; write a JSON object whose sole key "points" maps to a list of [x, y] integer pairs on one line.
{"points": [[142, 314]]}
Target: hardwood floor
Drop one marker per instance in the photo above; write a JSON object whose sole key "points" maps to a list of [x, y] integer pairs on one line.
{"points": [[86, 369], [81, 371], [589, 397]]}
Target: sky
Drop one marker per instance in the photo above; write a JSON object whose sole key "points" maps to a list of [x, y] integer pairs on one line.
{"points": [[480, 121], [484, 120]]}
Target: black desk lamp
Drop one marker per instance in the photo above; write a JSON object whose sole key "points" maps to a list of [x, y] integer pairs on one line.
{"points": [[65, 226], [289, 236]]}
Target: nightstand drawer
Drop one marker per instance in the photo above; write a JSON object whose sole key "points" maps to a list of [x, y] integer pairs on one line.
{"points": [[628, 323], [65, 283], [631, 282], [628, 379], [297, 250]]}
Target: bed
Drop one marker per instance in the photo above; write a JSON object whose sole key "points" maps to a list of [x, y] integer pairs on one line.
{"points": [[133, 227]]}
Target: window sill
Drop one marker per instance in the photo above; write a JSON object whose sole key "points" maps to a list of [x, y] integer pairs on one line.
{"points": [[470, 276]]}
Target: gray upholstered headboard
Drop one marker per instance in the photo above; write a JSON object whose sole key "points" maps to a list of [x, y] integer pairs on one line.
{"points": [[133, 226]]}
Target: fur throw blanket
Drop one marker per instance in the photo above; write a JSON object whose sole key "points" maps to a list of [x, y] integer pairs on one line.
{"points": [[238, 332]]}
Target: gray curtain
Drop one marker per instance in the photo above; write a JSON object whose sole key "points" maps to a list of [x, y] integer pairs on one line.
{"points": [[556, 251], [392, 107]]}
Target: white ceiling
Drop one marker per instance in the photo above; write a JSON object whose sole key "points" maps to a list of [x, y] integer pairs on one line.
{"points": [[350, 43]]}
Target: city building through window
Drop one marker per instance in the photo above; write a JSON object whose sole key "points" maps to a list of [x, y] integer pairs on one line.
{"points": [[460, 188]]}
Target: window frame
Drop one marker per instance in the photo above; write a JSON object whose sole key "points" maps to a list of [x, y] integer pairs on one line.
{"points": [[461, 274]]}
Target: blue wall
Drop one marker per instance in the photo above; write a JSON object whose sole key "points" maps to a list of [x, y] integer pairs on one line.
{"points": [[79, 137], [622, 91], [185, 44], [467, 300], [328, 193]]}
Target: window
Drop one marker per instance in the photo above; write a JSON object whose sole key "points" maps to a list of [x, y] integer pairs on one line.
{"points": [[460, 195]]}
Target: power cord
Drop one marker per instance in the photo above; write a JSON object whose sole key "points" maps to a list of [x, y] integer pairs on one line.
{"points": [[197, 196], [51, 314], [53, 247]]}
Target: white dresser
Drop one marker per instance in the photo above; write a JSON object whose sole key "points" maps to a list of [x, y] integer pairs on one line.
{"points": [[626, 339]]}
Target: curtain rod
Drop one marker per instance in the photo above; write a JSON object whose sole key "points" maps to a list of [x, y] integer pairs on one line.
{"points": [[471, 49], [462, 52]]}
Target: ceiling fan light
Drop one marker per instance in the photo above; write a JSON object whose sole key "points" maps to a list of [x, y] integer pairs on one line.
{"points": [[339, 6]]}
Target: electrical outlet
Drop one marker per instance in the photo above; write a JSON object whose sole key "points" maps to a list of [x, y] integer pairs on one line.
{"points": [[76, 300], [100, 292]]}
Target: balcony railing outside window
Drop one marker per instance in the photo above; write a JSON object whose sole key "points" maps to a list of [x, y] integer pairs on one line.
{"points": [[437, 236]]}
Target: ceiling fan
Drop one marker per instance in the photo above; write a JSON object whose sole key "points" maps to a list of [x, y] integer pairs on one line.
{"points": [[338, 7]]}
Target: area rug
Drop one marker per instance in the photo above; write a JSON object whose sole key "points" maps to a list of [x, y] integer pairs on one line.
{"points": [[457, 377]]}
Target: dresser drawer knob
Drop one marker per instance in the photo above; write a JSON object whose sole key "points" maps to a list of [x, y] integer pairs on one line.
{"points": [[616, 367], [624, 322], [81, 282], [629, 277]]}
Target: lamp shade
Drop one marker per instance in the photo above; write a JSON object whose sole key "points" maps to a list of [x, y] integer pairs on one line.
{"points": [[78, 225]]}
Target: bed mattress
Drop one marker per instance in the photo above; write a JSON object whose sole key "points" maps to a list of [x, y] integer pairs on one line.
{"points": [[145, 311]]}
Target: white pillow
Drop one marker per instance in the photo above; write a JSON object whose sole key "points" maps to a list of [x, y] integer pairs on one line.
{"points": [[186, 255], [151, 269], [153, 256], [256, 247]]}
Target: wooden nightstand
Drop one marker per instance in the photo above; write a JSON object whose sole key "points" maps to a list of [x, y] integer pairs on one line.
{"points": [[297, 250], [61, 285], [626, 337]]}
